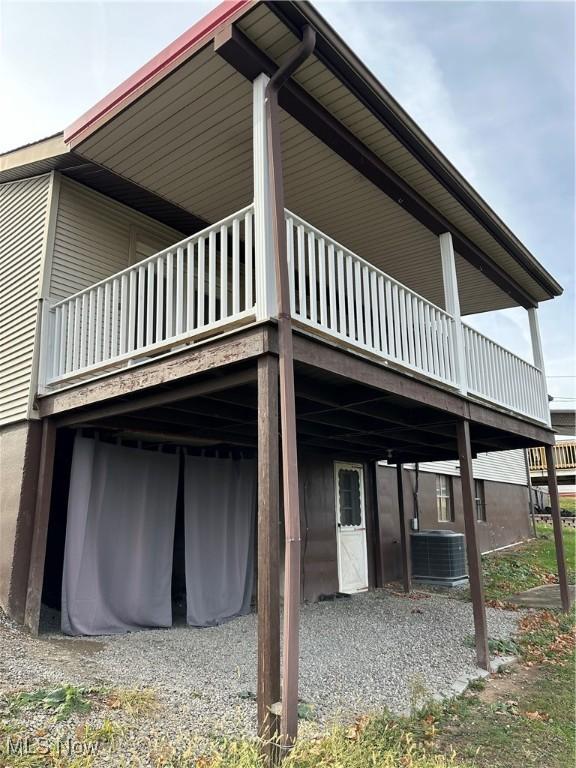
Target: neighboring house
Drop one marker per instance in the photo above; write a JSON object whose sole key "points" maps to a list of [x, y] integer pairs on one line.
{"points": [[564, 460], [139, 353], [563, 420]]}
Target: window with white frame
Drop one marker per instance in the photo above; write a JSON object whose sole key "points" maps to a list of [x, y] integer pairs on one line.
{"points": [[444, 501], [480, 501]]}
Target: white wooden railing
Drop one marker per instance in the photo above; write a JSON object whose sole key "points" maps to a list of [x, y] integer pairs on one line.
{"points": [[499, 376], [202, 285], [216, 280], [339, 294]]}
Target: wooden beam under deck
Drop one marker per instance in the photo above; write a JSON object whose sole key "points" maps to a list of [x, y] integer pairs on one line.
{"points": [[209, 356], [325, 357], [163, 397], [345, 402]]}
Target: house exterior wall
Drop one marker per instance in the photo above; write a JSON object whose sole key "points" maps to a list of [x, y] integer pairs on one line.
{"points": [[19, 458], [507, 513], [499, 466], [318, 526], [23, 232], [95, 237]]}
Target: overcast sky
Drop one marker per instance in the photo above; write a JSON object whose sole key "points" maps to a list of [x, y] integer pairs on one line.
{"points": [[492, 83]]}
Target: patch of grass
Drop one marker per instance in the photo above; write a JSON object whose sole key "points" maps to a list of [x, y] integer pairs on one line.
{"points": [[506, 647], [137, 702], [530, 565], [107, 733], [62, 701], [532, 730], [547, 637], [532, 725], [378, 743], [496, 647], [477, 685], [569, 503]]}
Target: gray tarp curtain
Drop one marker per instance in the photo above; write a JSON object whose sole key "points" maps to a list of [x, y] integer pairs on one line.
{"points": [[120, 534], [219, 516], [119, 539]]}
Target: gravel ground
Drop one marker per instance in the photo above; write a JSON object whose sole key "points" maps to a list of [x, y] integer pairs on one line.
{"points": [[357, 655]]}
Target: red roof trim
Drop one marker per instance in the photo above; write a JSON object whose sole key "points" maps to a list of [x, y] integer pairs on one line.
{"points": [[192, 37]]}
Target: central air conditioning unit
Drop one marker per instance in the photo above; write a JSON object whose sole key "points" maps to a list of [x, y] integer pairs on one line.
{"points": [[439, 557]]}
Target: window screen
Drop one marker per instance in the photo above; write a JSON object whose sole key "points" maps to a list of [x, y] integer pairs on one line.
{"points": [[349, 496]]}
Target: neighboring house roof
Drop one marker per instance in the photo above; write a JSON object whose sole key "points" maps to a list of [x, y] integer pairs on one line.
{"points": [[344, 88], [564, 421]]}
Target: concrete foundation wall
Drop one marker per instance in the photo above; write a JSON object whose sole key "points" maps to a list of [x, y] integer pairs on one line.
{"points": [[19, 457]]}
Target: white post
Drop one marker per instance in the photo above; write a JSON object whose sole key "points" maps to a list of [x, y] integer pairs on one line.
{"points": [[536, 339], [452, 303], [266, 305], [538, 357], [47, 342]]}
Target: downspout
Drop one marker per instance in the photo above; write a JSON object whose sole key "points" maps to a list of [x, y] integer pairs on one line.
{"points": [[415, 493], [289, 720], [530, 493]]}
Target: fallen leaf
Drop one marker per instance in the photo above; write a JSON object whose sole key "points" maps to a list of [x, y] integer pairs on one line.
{"points": [[537, 716]]}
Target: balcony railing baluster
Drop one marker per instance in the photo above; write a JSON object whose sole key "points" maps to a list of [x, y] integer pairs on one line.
{"points": [[209, 282]]}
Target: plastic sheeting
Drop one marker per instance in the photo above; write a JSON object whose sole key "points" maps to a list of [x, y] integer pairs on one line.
{"points": [[119, 539], [219, 518]]}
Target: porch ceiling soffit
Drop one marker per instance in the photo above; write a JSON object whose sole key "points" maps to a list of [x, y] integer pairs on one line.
{"points": [[340, 83], [186, 132], [189, 140], [491, 278]]}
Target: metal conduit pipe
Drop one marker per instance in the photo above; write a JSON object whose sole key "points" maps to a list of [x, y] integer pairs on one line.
{"points": [[289, 718]]}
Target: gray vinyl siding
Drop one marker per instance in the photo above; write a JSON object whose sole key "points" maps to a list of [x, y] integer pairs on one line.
{"points": [[498, 466], [23, 214], [93, 236]]}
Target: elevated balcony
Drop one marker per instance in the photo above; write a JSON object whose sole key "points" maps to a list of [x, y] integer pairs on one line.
{"points": [[219, 279], [564, 453]]}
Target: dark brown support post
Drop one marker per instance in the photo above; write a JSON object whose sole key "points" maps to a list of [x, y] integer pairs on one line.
{"points": [[40, 534], [472, 549], [290, 659], [557, 524], [404, 540], [268, 556]]}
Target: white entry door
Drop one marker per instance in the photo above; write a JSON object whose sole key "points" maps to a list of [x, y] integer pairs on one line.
{"points": [[351, 528]]}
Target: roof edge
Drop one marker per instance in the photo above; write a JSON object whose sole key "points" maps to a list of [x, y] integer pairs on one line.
{"points": [[158, 66], [414, 137], [43, 149]]}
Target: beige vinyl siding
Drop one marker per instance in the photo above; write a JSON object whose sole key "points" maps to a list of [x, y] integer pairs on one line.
{"points": [[497, 466], [23, 219], [94, 237]]}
